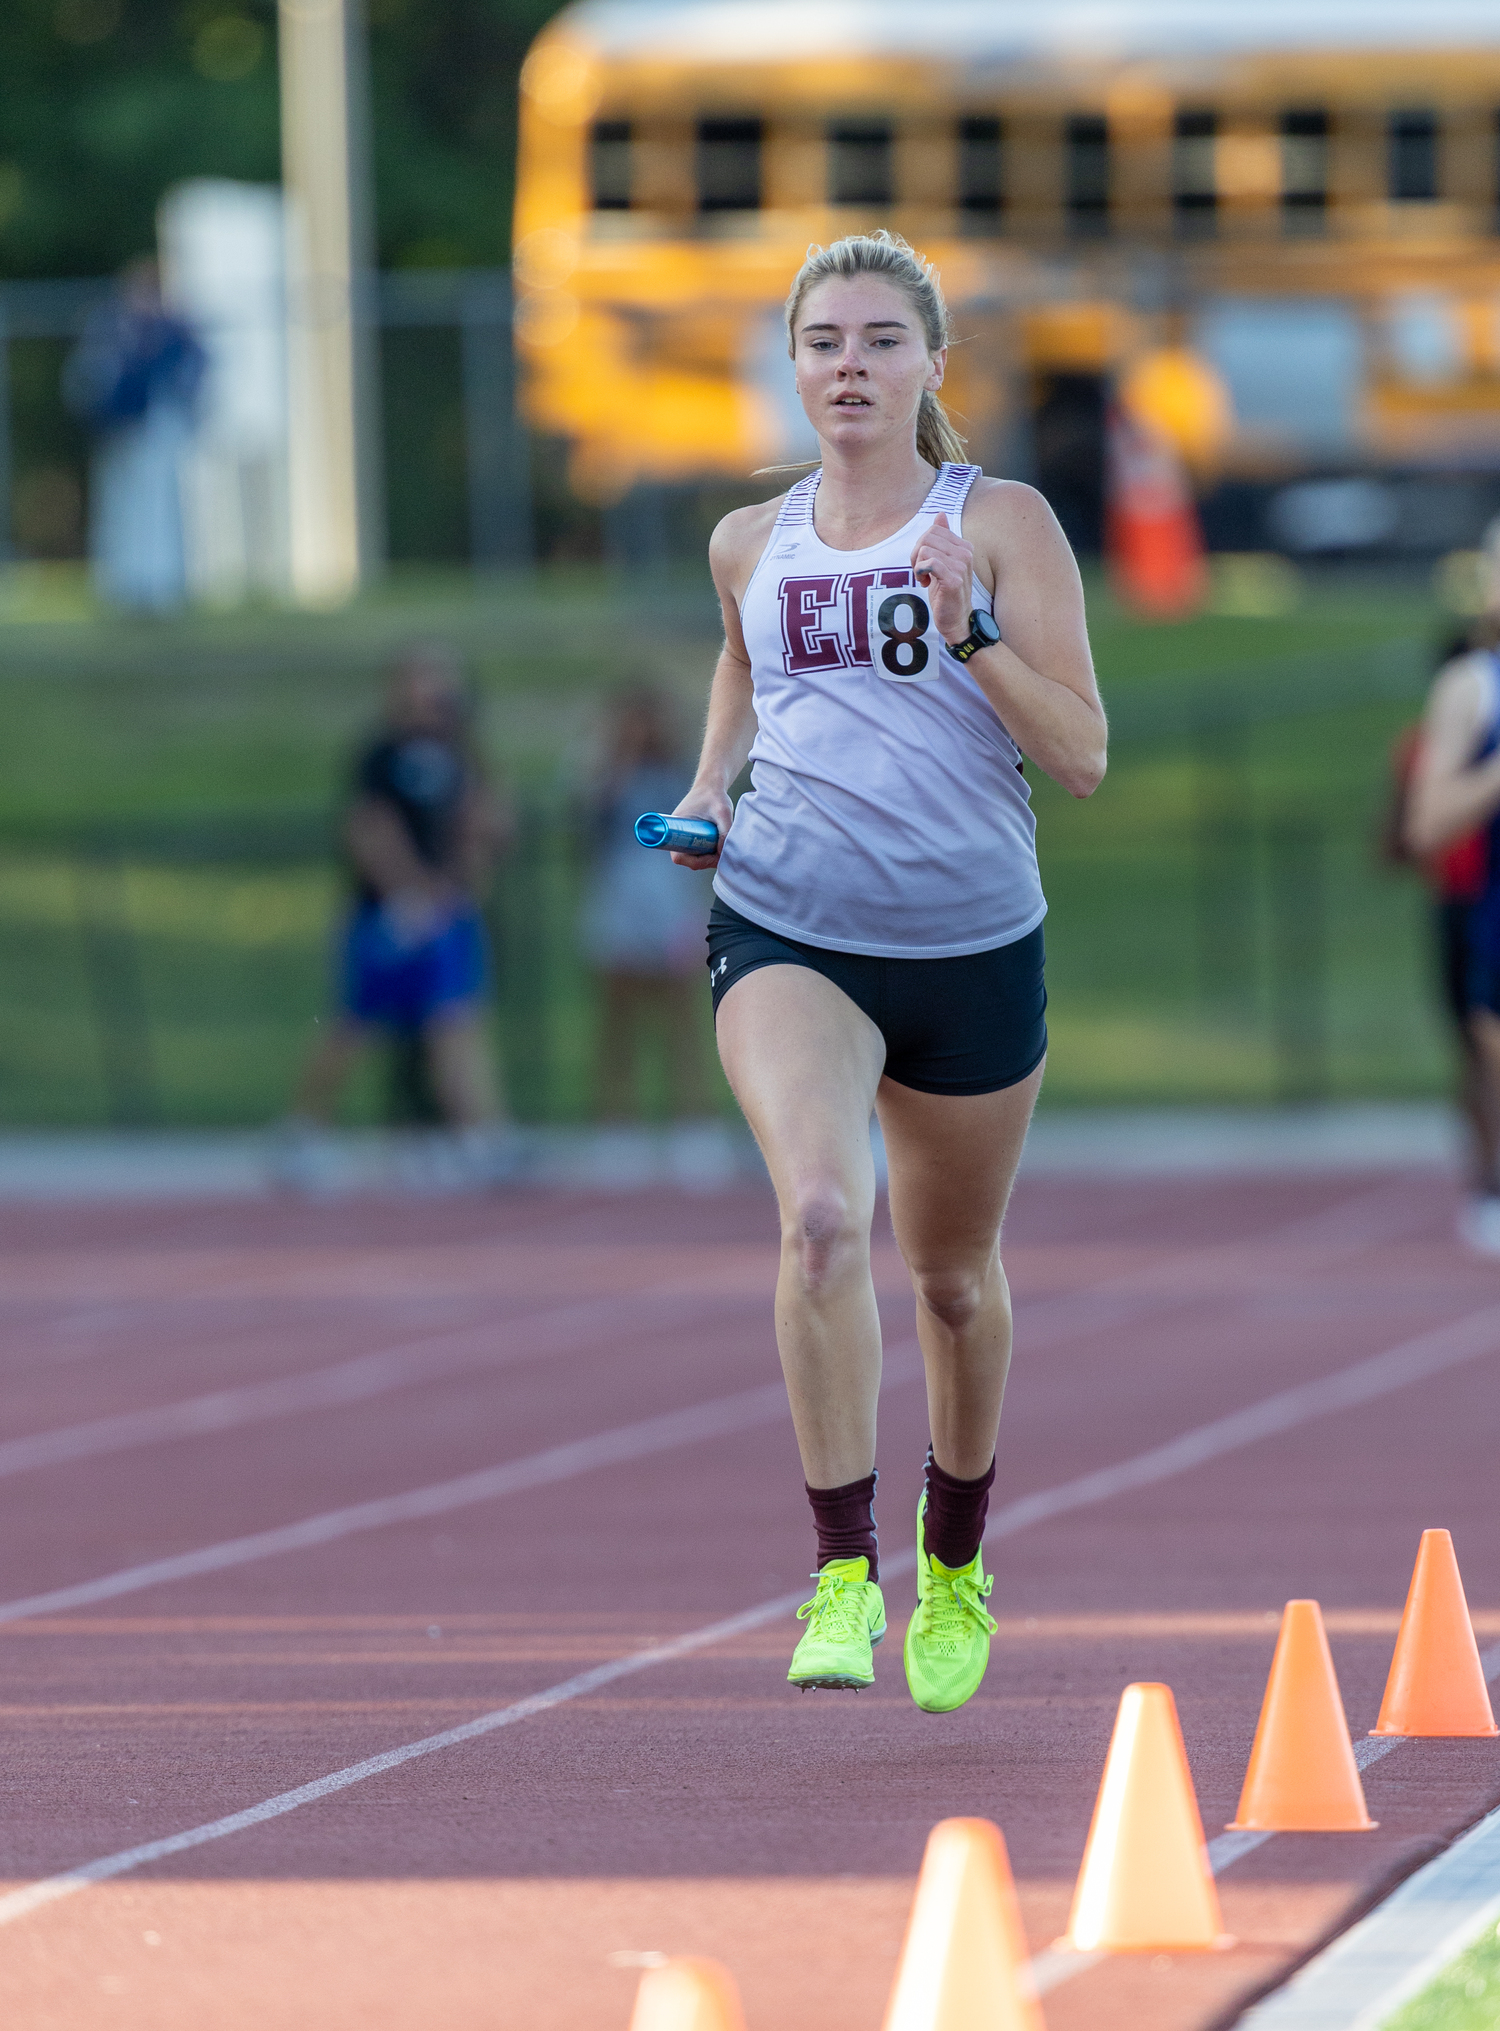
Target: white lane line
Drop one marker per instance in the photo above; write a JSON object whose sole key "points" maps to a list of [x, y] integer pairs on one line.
{"points": [[19, 1903], [1078, 1494], [1385, 1212], [1361, 1382], [1414, 1360], [1347, 1227], [723, 1415], [1227, 1848], [1398, 1948], [454, 1349], [357, 1380], [1050, 1969]]}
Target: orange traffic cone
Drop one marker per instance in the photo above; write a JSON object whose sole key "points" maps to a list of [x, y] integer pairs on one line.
{"points": [[1302, 1776], [1436, 1684], [1145, 1885], [687, 1995], [1151, 532], [963, 1967]]}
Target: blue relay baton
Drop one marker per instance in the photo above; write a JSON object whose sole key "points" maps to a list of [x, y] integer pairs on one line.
{"points": [[677, 835]]}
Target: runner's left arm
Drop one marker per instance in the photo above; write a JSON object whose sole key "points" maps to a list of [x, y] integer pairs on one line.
{"points": [[1040, 676], [1450, 792]]}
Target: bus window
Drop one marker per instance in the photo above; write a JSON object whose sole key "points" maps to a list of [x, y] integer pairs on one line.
{"points": [[729, 165], [1411, 155], [1304, 169], [1087, 139], [859, 163], [609, 165], [981, 171], [1195, 191]]}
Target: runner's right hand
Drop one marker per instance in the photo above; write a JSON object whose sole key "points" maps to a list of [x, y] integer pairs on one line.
{"points": [[710, 804]]}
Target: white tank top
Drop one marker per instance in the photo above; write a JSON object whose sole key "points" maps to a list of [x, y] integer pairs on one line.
{"points": [[889, 814]]}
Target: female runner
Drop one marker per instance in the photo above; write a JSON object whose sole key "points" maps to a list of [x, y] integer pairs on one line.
{"points": [[876, 940]]}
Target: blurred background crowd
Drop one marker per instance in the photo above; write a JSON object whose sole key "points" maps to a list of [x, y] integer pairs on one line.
{"points": [[370, 382]]}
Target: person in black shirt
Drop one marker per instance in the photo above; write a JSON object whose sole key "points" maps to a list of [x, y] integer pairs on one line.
{"points": [[421, 832]]}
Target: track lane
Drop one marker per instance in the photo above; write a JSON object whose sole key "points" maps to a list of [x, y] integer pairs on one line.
{"points": [[1364, 1383], [528, 1336], [722, 1717], [1047, 1326]]}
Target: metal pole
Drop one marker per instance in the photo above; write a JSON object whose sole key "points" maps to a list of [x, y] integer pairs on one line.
{"points": [[496, 446], [1223, 868], [1297, 871], [327, 292], [369, 433], [7, 546], [112, 964]]}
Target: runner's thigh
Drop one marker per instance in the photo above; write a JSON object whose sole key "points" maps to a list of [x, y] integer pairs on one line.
{"points": [[953, 1159], [804, 1064]]}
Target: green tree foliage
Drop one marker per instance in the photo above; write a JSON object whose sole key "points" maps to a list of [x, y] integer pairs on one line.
{"points": [[106, 103]]}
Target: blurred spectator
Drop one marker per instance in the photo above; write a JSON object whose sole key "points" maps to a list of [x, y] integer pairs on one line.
{"points": [[1443, 819], [644, 920], [422, 832], [133, 380]]}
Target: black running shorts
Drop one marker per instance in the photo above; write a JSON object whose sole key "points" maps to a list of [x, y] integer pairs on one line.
{"points": [[968, 1025], [1455, 955]]}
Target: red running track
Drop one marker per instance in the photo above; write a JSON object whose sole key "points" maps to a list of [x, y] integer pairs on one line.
{"points": [[182, 1383]]}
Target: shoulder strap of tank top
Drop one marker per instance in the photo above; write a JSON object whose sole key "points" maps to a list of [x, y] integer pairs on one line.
{"points": [[951, 489], [796, 510], [1488, 739], [1491, 667]]}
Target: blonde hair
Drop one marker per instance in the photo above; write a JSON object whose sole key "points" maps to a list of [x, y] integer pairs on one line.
{"points": [[889, 255]]}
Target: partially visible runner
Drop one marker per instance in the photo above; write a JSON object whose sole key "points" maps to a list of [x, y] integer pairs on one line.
{"points": [[1448, 792], [421, 833], [877, 941]]}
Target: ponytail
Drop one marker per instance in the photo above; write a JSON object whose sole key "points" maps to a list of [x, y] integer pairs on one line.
{"points": [[937, 440]]}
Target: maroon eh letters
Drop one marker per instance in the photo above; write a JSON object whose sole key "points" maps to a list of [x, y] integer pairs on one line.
{"points": [[825, 620]]}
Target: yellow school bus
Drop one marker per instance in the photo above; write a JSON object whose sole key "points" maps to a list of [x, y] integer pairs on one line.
{"points": [[1304, 194]]}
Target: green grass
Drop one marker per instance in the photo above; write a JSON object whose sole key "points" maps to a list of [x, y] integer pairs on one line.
{"points": [[1465, 1996], [1220, 929]]}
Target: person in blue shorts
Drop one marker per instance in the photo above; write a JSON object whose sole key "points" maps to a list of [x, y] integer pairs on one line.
{"points": [[420, 833]]}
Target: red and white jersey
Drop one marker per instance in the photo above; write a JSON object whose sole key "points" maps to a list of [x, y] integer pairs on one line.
{"points": [[889, 814]]}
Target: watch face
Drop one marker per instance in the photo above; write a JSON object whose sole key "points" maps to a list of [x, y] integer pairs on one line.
{"points": [[984, 625]]}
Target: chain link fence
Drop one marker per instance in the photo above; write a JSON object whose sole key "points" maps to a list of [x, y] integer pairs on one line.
{"points": [[1213, 938]]}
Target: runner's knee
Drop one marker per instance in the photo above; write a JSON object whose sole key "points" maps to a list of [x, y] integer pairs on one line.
{"points": [[954, 1296], [823, 1232]]}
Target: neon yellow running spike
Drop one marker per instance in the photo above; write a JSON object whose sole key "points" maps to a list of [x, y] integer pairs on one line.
{"points": [[845, 1618], [948, 1639]]}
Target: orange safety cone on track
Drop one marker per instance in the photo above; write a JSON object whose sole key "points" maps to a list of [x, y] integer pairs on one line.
{"points": [[1302, 1776], [1145, 1885], [687, 1995], [1436, 1684], [1152, 538], [963, 1966]]}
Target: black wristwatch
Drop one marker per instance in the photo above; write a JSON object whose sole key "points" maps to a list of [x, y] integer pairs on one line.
{"points": [[983, 634]]}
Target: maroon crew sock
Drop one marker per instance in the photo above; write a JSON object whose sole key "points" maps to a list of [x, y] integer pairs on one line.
{"points": [[954, 1523], [844, 1519]]}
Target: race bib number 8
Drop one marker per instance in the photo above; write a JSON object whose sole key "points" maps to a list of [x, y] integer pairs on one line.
{"points": [[904, 644]]}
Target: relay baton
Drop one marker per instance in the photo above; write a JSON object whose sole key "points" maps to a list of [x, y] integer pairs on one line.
{"points": [[677, 835]]}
